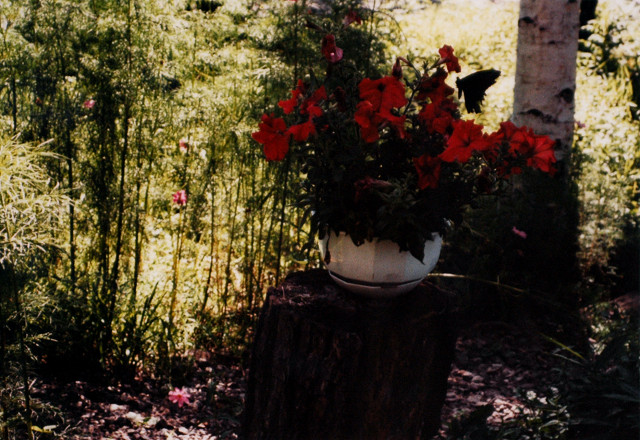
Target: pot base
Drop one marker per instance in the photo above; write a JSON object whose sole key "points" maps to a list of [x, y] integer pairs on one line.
{"points": [[374, 290]]}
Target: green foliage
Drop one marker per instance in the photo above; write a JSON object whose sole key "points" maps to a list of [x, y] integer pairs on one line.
{"points": [[540, 418], [604, 398], [113, 87], [28, 202], [608, 140], [30, 217]]}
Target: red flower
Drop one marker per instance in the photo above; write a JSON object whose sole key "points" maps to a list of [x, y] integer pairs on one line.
{"points": [[309, 106], [351, 17], [368, 121], [384, 93], [537, 150], [379, 97], [428, 169], [330, 51], [495, 142], [507, 129], [466, 138], [183, 144], [438, 116], [291, 103], [301, 132], [180, 197], [434, 87], [89, 104], [274, 137], [447, 57]]}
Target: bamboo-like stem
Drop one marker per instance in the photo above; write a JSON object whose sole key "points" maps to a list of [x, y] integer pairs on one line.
{"points": [[23, 352], [232, 236], [177, 256], [14, 104], [212, 233], [3, 375], [283, 205]]}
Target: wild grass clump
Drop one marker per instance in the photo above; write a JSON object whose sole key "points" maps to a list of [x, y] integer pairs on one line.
{"points": [[31, 216]]}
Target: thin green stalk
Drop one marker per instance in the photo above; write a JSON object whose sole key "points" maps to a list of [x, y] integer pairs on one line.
{"points": [[14, 104], [123, 168], [251, 244], [23, 353], [3, 375], [177, 256], [283, 205], [115, 270], [232, 237], [212, 241]]}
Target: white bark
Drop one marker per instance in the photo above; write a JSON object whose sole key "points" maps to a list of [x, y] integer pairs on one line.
{"points": [[546, 69]]}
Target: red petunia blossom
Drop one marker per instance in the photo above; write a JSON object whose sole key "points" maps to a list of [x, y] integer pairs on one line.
{"points": [[301, 132], [274, 137], [538, 151], [434, 87], [351, 17], [368, 121], [89, 104], [438, 116], [466, 138], [428, 169], [180, 197], [310, 105], [384, 93], [330, 51], [507, 130], [447, 57], [290, 104], [379, 97]]}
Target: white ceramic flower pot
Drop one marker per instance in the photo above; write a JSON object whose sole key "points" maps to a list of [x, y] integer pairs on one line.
{"points": [[376, 268]]}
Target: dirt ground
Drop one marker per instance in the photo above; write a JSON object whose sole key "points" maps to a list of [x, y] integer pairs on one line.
{"points": [[495, 364]]}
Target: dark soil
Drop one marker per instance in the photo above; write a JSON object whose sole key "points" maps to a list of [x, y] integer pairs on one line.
{"points": [[495, 363]]}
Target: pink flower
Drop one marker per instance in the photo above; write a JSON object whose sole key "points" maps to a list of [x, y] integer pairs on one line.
{"points": [[519, 233], [184, 145], [179, 396], [180, 197], [89, 104]]}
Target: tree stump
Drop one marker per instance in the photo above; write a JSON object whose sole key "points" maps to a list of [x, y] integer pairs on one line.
{"points": [[327, 364]]}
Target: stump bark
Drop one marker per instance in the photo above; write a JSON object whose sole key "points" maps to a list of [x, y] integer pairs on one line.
{"points": [[327, 364]]}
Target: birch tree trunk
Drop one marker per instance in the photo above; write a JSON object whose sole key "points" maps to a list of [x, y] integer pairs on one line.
{"points": [[546, 71]]}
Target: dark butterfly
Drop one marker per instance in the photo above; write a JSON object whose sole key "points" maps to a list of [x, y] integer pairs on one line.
{"points": [[474, 86]]}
